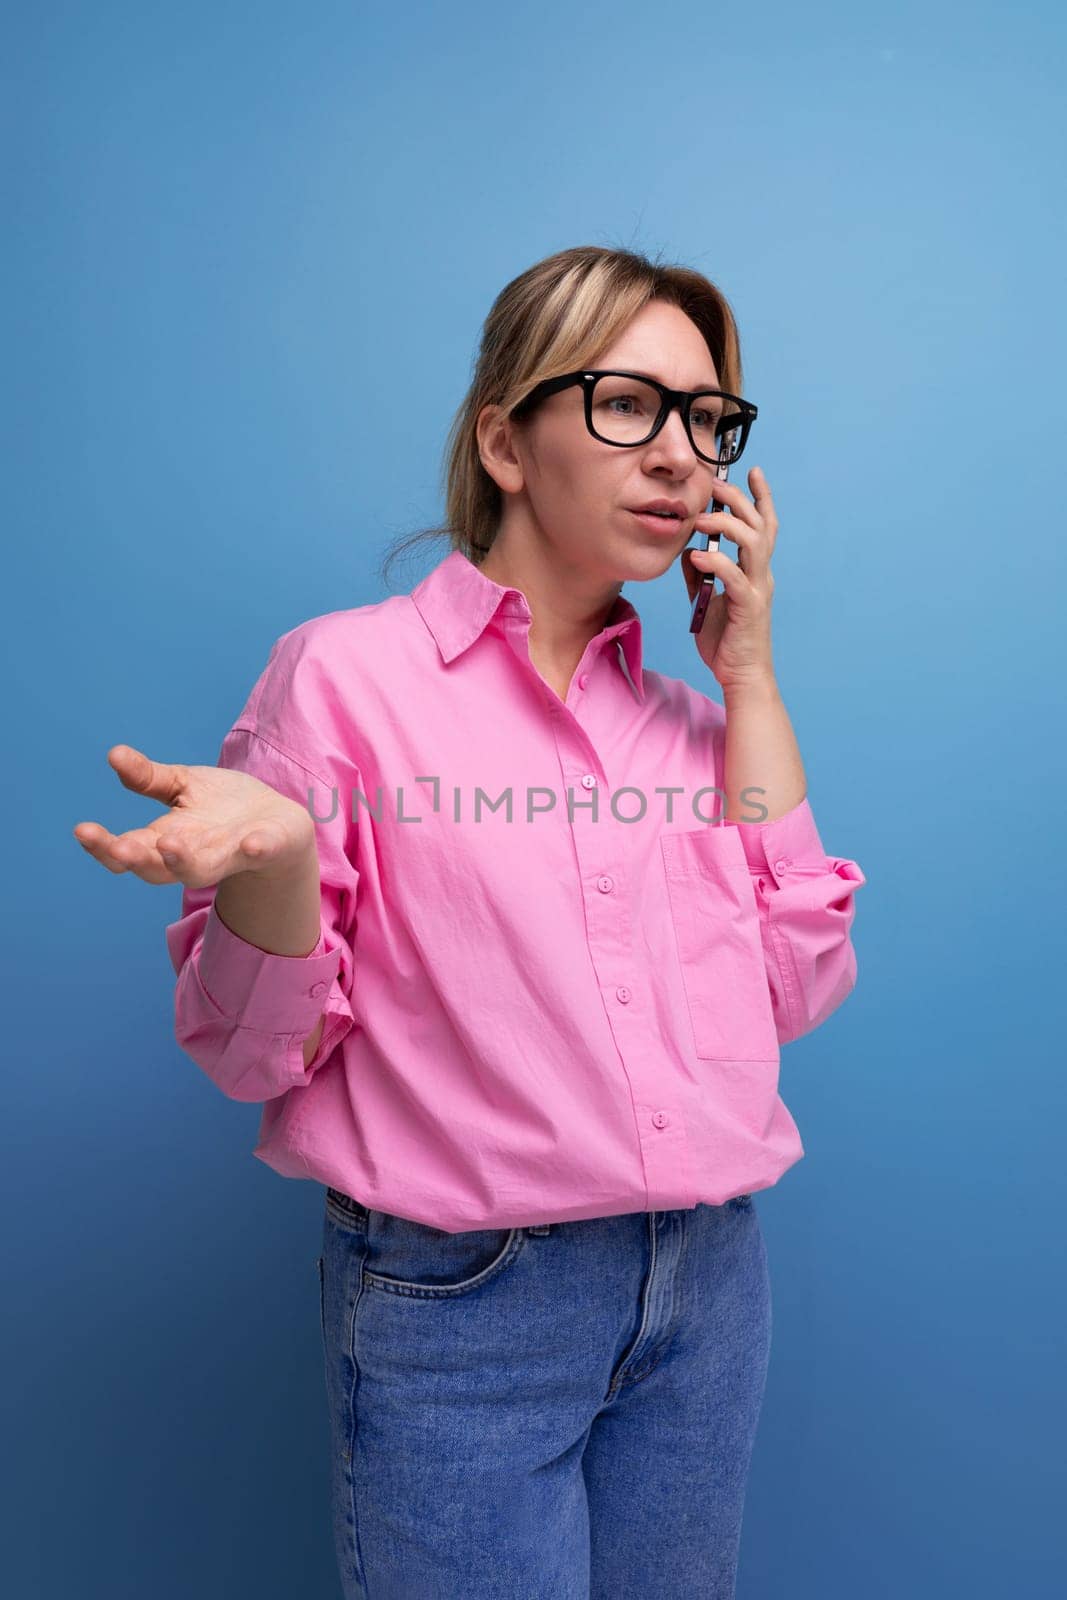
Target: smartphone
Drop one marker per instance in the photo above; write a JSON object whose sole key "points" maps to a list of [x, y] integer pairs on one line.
{"points": [[702, 598]]}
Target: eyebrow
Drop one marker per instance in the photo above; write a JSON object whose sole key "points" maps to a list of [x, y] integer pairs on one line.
{"points": [[695, 389]]}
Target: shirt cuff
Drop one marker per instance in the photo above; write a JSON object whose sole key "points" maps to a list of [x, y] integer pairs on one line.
{"points": [[263, 991], [791, 840]]}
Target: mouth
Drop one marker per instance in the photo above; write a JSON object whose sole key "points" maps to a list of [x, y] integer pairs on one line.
{"points": [[659, 521]]}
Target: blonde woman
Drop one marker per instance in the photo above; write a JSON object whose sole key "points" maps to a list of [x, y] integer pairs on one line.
{"points": [[504, 930]]}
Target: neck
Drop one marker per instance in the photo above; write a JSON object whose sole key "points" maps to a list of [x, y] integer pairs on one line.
{"points": [[568, 607]]}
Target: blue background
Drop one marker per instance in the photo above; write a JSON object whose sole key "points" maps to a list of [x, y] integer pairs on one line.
{"points": [[248, 252]]}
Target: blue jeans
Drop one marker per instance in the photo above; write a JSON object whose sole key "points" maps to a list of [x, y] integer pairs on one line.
{"points": [[561, 1412]]}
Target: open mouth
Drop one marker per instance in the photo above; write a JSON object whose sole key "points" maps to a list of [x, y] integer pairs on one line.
{"points": [[661, 521]]}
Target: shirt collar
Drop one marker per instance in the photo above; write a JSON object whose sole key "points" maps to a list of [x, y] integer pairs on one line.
{"points": [[457, 601]]}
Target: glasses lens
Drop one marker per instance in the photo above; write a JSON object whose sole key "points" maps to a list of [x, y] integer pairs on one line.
{"points": [[625, 412], [624, 409], [717, 426]]}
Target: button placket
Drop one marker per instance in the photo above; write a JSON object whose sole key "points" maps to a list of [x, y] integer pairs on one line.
{"points": [[662, 1138]]}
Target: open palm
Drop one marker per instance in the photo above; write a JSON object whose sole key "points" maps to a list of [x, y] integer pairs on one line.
{"points": [[218, 822]]}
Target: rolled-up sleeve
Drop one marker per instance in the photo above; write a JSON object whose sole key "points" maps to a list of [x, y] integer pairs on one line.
{"points": [[806, 907], [241, 1013]]}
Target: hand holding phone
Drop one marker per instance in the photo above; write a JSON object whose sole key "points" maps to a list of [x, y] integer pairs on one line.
{"points": [[706, 589]]}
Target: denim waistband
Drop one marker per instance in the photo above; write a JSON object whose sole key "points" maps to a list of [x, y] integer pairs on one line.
{"points": [[359, 1210]]}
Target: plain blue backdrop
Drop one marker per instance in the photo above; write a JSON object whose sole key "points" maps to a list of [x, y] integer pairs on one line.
{"points": [[248, 252]]}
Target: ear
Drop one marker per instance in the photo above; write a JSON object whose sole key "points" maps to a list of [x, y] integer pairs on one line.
{"points": [[496, 448]]}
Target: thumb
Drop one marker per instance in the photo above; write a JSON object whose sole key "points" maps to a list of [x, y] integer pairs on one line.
{"points": [[157, 779]]}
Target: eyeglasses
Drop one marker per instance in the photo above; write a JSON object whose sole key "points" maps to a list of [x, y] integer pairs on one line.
{"points": [[628, 409]]}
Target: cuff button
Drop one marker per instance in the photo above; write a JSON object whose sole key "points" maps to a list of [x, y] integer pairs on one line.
{"points": [[316, 990]]}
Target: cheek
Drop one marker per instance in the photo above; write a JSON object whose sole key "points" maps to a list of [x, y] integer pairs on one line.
{"points": [[577, 484], [579, 487]]}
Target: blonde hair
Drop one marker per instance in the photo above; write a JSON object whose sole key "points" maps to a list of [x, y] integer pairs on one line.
{"points": [[554, 318]]}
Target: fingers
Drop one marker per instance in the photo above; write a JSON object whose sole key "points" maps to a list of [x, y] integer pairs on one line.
{"points": [[159, 780], [732, 495], [754, 544], [734, 579], [761, 515], [693, 574], [762, 495], [96, 842], [135, 851]]}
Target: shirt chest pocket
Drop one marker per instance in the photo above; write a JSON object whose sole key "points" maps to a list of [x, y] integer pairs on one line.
{"points": [[717, 932]]}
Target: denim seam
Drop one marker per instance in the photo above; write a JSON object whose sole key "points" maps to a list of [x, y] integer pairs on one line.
{"points": [[350, 1421]]}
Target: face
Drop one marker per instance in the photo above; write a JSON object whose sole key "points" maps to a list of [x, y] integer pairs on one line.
{"points": [[575, 495]]}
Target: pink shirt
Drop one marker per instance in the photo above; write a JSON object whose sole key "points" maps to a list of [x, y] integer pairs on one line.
{"points": [[554, 988]]}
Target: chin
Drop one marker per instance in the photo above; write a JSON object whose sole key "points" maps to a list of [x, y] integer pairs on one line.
{"points": [[650, 563]]}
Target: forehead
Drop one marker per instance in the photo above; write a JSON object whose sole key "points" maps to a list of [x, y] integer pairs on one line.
{"points": [[663, 343], [651, 360]]}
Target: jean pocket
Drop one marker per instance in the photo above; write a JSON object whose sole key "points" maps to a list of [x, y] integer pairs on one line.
{"points": [[720, 946], [412, 1258]]}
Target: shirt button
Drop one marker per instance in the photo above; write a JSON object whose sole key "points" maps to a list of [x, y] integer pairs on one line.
{"points": [[583, 680], [660, 1119], [623, 994], [589, 781], [605, 884], [781, 865], [316, 990]]}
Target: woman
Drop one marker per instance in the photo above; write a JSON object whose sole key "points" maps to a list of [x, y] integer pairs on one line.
{"points": [[488, 916]]}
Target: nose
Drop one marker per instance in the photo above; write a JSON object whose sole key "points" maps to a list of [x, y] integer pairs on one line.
{"points": [[672, 439]]}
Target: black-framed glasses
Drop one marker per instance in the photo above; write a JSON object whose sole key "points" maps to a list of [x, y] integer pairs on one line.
{"points": [[629, 408]]}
